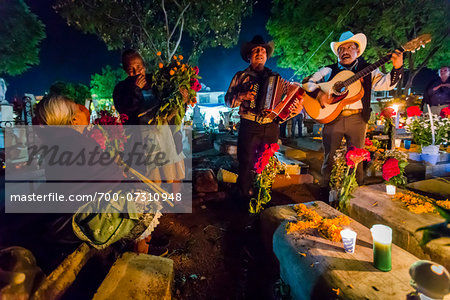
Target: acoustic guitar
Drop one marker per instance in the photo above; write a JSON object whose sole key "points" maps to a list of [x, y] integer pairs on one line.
{"points": [[346, 88]]}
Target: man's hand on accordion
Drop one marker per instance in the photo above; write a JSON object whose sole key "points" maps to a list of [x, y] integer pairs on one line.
{"points": [[296, 107], [246, 96]]}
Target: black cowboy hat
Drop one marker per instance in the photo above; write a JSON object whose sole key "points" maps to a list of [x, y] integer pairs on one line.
{"points": [[257, 40]]}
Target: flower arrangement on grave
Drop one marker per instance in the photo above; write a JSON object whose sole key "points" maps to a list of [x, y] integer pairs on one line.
{"points": [[387, 115], [419, 204], [177, 85], [343, 174], [267, 167], [392, 164], [372, 145], [423, 126], [328, 228]]}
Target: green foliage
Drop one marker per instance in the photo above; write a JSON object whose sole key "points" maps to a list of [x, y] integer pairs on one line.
{"points": [[420, 128], [169, 82], [102, 85], [151, 26], [104, 104], [439, 230], [263, 184], [76, 91], [299, 27], [21, 33]]}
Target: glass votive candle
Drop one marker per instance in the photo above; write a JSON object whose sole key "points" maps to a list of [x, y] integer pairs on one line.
{"points": [[382, 247], [398, 143]]}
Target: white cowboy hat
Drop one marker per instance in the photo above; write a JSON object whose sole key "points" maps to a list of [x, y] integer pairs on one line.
{"points": [[348, 36]]}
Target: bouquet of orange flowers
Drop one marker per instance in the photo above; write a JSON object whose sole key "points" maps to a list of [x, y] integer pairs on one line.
{"points": [[177, 85]]}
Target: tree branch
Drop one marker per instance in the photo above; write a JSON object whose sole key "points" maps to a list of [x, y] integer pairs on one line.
{"points": [[179, 37]]}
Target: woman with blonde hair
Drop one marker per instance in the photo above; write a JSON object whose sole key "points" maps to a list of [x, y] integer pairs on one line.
{"points": [[99, 224]]}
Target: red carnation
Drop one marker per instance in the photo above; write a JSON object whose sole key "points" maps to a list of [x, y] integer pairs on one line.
{"points": [[388, 112], [356, 155], [263, 160], [445, 112], [97, 135], [195, 85], [390, 168], [413, 111], [196, 70], [368, 142]]}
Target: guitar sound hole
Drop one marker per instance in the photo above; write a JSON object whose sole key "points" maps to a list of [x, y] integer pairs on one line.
{"points": [[339, 88]]}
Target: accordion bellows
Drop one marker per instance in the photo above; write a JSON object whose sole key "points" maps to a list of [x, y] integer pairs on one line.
{"points": [[276, 96]]}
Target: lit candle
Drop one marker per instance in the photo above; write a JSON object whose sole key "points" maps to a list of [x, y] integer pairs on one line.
{"points": [[382, 247]]}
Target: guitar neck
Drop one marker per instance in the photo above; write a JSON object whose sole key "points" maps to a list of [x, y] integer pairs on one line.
{"points": [[367, 70]]}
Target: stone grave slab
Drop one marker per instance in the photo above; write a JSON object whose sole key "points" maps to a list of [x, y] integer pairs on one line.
{"points": [[316, 268], [137, 276], [371, 205]]}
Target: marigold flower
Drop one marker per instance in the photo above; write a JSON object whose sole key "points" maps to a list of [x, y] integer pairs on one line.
{"points": [[175, 57], [160, 65], [158, 53], [172, 72], [180, 57], [178, 63]]}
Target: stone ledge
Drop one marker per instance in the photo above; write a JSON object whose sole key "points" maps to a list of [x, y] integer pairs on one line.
{"points": [[371, 205], [137, 276], [313, 266]]}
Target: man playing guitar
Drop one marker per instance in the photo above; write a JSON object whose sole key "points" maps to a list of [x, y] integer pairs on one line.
{"points": [[352, 121]]}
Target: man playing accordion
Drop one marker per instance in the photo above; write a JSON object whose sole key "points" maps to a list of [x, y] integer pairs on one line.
{"points": [[256, 129]]}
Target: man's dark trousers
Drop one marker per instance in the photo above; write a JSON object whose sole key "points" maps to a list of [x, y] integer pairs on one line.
{"points": [[252, 138]]}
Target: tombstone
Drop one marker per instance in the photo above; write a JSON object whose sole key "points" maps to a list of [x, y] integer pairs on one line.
{"points": [[198, 118]]}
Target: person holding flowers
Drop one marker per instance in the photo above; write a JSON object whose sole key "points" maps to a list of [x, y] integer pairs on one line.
{"points": [[139, 99], [254, 131]]}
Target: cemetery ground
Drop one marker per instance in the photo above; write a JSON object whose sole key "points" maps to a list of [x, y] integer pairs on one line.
{"points": [[218, 250]]}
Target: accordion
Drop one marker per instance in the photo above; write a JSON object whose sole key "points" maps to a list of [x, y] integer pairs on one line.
{"points": [[275, 97]]}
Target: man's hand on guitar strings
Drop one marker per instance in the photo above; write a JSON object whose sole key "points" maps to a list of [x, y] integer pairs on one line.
{"points": [[324, 98], [397, 59]]}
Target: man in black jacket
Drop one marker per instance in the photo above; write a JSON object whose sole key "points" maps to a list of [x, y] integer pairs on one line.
{"points": [[255, 130], [437, 93]]}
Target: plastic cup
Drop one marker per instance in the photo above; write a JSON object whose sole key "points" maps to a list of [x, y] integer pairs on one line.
{"points": [[407, 144], [349, 240]]}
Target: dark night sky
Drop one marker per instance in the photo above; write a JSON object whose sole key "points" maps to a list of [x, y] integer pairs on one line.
{"points": [[69, 55]]}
